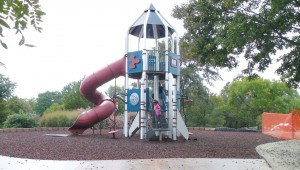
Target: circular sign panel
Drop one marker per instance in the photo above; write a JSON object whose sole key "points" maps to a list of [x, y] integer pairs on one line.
{"points": [[134, 99]]}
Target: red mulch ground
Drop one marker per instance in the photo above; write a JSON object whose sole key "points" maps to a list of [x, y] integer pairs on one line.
{"points": [[204, 144]]}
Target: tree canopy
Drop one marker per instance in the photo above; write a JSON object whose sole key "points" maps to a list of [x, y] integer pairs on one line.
{"points": [[220, 31], [191, 85], [18, 105], [17, 15], [46, 99], [72, 99], [246, 99], [117, 90], [6, 87]]}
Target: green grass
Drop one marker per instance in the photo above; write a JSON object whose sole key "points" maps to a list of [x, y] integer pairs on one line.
{"points": [[60, 118]]}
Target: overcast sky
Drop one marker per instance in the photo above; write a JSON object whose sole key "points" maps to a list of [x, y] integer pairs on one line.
{"points": [[78, 38]]}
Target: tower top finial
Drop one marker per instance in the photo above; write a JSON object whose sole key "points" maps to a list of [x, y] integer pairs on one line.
{"points": [[154, 22], [151, 7]]}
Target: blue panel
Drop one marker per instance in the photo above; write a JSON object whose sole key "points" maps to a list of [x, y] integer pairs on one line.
{"points": [[152, 63], [174, 63], [134, 62], [148, 99], [133, 100], [163, 98]]}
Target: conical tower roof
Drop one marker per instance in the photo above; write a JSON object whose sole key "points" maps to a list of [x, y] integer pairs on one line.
{"points": [[155, 24]]}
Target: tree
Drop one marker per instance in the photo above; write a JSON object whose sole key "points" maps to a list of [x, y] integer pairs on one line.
{"points": [[216, 117], [6, 87], [112, 91], [31, 102], [17, 15], [220, 31], [191, 85], [72, 99], [4, 111], [247, 99], [17, 105], [46, 99]]}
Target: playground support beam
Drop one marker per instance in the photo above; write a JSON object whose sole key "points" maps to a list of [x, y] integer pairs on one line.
{"points": [[143, 97], [174, 106], [125, 127]]}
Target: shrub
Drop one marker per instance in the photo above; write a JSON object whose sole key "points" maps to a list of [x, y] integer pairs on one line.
{"points": [[259, 121], [108, 122], [120, 119], [4, 112], [104, 124], [22, 120], [55, 107], [63, 118], [60, 118]]}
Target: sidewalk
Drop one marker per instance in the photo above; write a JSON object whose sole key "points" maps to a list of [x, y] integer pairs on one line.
{"points": [[8, 163]]}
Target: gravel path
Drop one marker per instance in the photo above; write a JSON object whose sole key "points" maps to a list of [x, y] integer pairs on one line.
{"points": [[203, 144]]}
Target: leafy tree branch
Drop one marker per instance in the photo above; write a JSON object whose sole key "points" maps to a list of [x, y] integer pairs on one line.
{"points": [[17, 15], [220, 32]]}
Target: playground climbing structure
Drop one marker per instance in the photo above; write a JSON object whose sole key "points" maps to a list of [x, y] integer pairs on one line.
{"points": [[152, 63]]}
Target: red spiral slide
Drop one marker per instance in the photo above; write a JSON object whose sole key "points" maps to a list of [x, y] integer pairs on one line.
{"points": [[104, 105]]}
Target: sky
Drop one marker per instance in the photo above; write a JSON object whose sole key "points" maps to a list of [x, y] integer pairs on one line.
{"points": [[79, 38]]}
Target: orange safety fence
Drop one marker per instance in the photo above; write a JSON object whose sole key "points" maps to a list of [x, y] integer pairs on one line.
{"points": [[282, 126]]}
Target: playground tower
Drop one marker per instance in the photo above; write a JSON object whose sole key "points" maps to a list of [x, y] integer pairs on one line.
{"points": [[152, 62], [153, 65]]}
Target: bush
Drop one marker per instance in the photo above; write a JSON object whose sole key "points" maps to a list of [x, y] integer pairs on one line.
{"points": [[104, 124], [55, 107], [22, 120], [63, 118], [120, 119], [108, 122], [4, 112], [60, 118], [259, 121]]}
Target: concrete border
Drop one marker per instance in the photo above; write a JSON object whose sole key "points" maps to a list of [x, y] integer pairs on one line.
{"points": [[8, 130]]}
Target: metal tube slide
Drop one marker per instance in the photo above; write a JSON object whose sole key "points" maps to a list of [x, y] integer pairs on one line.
{"points": [[104, 105]]}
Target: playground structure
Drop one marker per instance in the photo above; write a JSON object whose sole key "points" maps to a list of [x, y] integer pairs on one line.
{"points": [[151, 60]]}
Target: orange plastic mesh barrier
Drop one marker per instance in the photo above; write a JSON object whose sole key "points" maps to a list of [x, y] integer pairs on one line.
{"points": [[282, 126]]}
